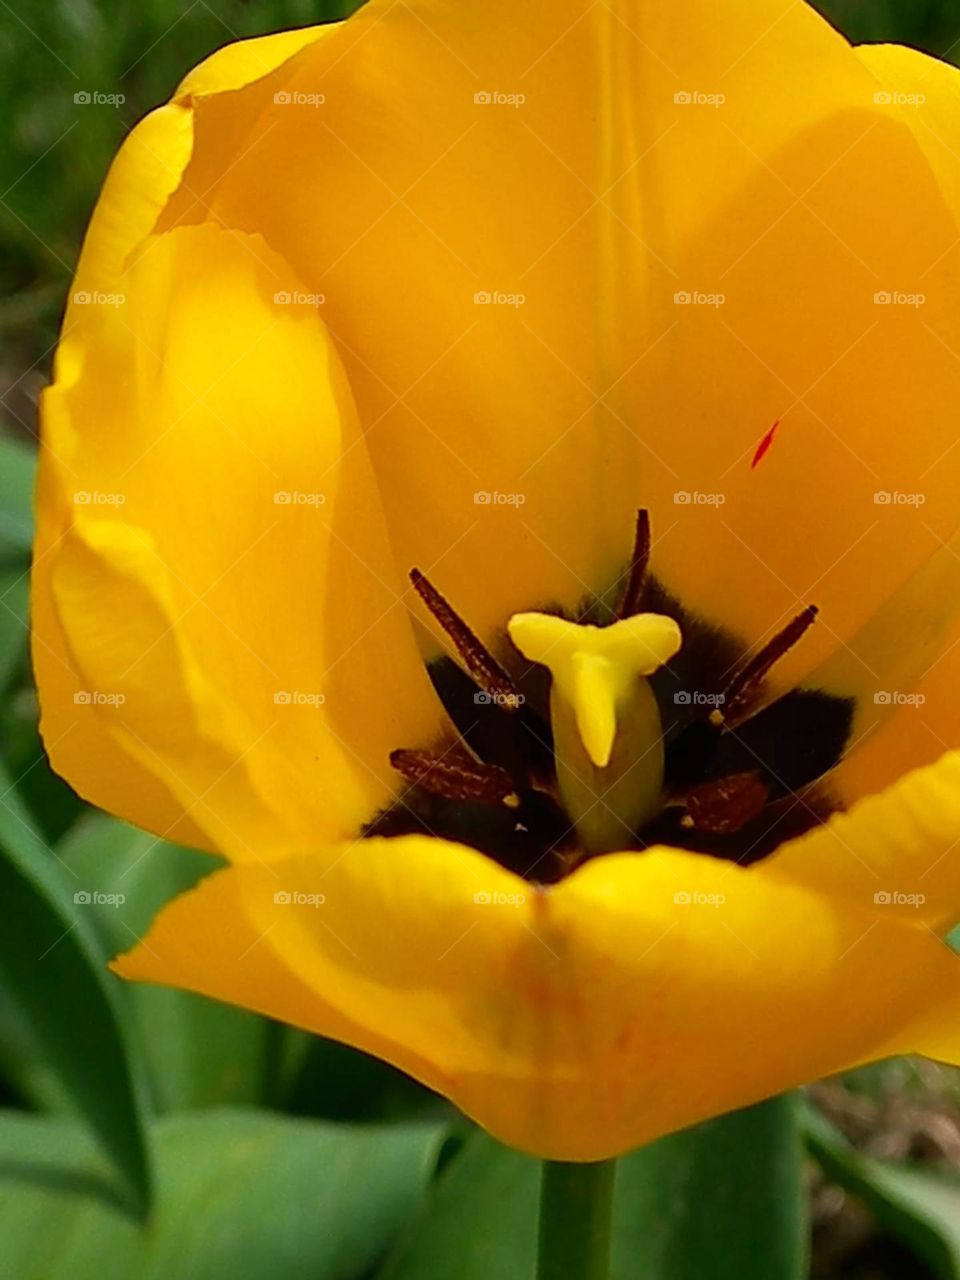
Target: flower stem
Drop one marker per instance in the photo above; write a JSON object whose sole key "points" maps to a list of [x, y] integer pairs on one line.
{"points": [[576, 1211]]}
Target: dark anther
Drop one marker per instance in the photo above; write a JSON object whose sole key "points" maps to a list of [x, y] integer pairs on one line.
{"points": [[637, 576], [455, 775], [478, 660], [742, 689], [727, 805]]}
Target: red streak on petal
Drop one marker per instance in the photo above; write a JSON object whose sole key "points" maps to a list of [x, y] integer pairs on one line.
{"points": [[764, 444]]}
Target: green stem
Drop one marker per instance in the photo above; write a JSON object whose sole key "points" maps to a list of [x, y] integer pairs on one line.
{"points": [[576, 1210]]}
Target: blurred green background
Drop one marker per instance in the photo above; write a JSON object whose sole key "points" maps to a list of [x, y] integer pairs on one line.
{"points": [[261, 1152]]}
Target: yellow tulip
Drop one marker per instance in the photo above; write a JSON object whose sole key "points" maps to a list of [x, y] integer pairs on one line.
{"points": [[459, 288]]}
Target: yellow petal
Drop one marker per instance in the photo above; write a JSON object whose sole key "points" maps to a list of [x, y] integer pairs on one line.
{"points": [[923, 724], [619, 181], [247, 61], [893, 853], [573, 1022], [215, 570], [902, 664], [145, 172], [924, 93], [79, 744], [883, 664], [148, 168], [150, 164]]}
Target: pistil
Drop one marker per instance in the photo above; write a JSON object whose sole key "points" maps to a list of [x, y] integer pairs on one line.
{"points": [[608, 738]]}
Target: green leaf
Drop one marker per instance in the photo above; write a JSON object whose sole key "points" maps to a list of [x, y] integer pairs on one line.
{"points": [[48, 798], [915, 1205], [333, 1081], [480, 1220], [239, 1193], [725, 1199], [14, 632], [54, 983], [17, 467], [197, 1052]]}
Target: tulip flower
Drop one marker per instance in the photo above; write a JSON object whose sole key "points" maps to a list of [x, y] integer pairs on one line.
{"points": [[499, 491]]}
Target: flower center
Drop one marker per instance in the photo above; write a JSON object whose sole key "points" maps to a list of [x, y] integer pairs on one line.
{"points": [[617, 731]]}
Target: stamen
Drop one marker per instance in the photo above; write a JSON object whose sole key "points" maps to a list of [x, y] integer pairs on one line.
{"points": [[478, 660], [727, 805], [603, 776], [637, 577], [742, 689], [456, 776]]}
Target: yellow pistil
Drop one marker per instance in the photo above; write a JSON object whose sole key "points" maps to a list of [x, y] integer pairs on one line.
{"points": [[606, 724]]}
